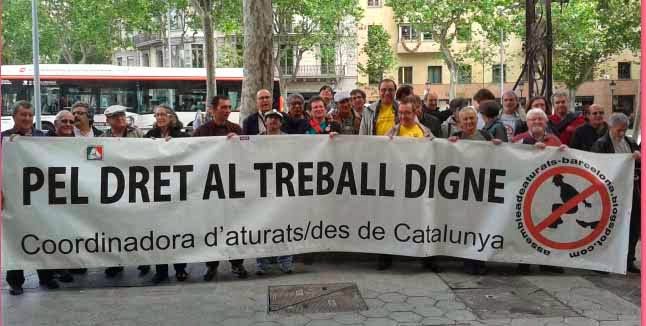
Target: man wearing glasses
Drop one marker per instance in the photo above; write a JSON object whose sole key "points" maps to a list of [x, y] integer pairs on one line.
{"points": [[83, 121], [378, 119], [586, 135], [381, 116]]}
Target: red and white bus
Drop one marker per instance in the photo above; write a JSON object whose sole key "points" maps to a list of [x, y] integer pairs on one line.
{"points": [[139, 89]]}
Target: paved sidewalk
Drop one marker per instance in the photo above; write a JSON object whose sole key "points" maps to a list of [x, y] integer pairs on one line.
{"points": [[405, 295]]}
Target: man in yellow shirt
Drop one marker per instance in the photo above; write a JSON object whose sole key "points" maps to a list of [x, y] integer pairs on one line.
{"points": [[408, 126], [381, 116]]}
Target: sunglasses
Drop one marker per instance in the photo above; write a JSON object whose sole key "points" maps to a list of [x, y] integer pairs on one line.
{"points": [[67, 121]]}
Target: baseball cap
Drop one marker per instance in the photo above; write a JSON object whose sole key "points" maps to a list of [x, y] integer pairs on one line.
{"points": [[114, 109], [341, 96], [273, 113]]}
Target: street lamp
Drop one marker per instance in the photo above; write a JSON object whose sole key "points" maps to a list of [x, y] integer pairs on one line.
{"points": [[612, 87]]}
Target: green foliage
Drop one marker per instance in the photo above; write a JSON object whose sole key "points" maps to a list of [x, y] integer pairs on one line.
{"points": [[588, 32], [445, 20], [301, 26], [381, 57], [16, 34]]}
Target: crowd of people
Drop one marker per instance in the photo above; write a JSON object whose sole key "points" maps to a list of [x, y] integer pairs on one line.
{"points": [[398, 112]]}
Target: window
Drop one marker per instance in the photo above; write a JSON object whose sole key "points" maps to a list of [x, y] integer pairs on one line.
{"points": [[328, 56], [160, 58], [427, 36], [495, 73], [374, 3], [131, 61], [119, 61], [145, 60], [464, 74], [624, 70], [287, 61], [407, 33], [464, 33], [405, 75], [435, 74], [197, 55]]}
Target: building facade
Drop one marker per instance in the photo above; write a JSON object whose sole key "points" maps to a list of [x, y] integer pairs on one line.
{"points": [[332, 65], [420, 64]]}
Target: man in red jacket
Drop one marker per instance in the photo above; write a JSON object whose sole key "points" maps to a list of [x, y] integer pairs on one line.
{"points": [[564, 122]]}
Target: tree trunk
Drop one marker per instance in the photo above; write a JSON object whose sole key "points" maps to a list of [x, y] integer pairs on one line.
{"points": [[258, 49], [453, 68], [209, 53], [572, 96], [205, 9]]}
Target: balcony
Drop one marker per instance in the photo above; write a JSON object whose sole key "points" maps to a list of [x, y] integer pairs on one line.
{"points": [[314, 72], [415, 46], [146, 39]]}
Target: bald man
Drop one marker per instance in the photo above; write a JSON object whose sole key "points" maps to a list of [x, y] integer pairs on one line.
{"points": [[430, 107], [255, 123]]}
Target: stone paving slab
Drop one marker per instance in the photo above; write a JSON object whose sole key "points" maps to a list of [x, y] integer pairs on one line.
{"points": [[405, 295], [626, 287]]}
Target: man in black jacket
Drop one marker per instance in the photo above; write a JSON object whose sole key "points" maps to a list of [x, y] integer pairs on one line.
{"points": [[83, 121], [615, 141], [23, 117], [586, 135], [255, 123]]}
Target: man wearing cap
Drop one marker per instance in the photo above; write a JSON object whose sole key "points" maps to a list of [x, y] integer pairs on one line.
{"points": [[116, 118], [344, 115], [274, 122], [255, 123]]}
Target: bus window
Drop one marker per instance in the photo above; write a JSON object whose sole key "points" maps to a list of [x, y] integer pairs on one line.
{"points": [[118, 96]]}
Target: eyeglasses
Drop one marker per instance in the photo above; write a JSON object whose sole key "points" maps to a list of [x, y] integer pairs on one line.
{"points": [[67, 121], [388, 90], [79, 113]]}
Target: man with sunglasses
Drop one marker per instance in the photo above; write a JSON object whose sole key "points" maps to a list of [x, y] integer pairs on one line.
{"points": [[83, 121], [64, 124], [586, 135]]}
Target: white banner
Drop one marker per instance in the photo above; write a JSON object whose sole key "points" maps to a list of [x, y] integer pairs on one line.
{"points": [[106, 202]]}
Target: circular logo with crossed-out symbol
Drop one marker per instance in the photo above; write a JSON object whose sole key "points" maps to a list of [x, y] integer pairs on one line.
{"points": [[565, 208]]}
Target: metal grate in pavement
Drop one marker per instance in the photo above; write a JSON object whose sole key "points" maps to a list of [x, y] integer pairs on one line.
{"points": [[504, 303], [315, 298]]}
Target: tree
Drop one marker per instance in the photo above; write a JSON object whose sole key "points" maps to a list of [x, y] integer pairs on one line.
{"points": [[72, 31], [16, 34], [589, 32], [301, 26], [258, 65], [381, 57], [205, 8], [449, 21]]}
